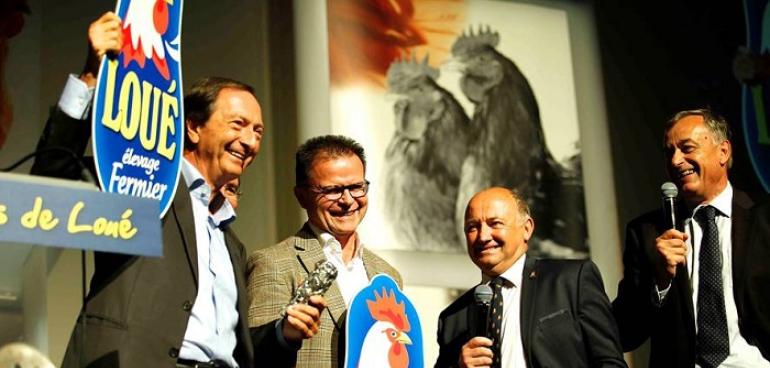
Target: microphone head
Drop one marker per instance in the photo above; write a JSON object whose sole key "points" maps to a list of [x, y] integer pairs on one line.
{"points": [[668, 190], [482, 294]]}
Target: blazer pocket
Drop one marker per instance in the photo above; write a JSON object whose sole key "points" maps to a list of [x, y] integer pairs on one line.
{"points": [[558, 329], [557, 342], [103, 321], [554, 317]]}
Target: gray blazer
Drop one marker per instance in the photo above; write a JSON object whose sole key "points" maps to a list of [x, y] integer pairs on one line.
{"points": [[273, 275]]}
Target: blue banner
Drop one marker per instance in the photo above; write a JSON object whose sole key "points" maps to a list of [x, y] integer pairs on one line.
{"points": [[138, 122], [67, 214], [383, 328], [756, 90]]}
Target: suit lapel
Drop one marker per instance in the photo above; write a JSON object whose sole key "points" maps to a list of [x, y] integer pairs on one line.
{"points": [[185, 221], [739, 238], [236, 250], [528, 295], [309, 253], [371, 264]]}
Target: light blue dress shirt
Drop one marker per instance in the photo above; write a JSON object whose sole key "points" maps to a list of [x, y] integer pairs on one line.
{"points": [[211, 328]]}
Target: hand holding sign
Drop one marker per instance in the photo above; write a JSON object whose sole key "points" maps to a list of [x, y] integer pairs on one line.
{"points": [[104, 36], [138, 102]]}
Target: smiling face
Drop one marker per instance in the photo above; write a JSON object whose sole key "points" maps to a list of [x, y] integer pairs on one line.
{"points": [[338, 217], [695, 160], [228, 141], [495, 231]]}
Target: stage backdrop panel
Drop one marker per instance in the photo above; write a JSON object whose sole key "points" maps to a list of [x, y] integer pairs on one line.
{"points": [[450, 97]]}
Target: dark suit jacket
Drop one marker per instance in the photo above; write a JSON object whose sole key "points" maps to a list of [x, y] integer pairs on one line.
{"points": [[274, 274], [565, 318], [138, 307], [671, 327]]}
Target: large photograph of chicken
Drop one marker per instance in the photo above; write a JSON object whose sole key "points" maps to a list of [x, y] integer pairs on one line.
{"points": [[449, 97]]}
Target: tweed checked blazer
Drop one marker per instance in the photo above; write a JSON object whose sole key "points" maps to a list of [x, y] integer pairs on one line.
{"points": [[273, 275]]}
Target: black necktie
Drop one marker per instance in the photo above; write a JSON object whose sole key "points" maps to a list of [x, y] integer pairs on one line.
{"points": [[496, 320], [713, 345]]}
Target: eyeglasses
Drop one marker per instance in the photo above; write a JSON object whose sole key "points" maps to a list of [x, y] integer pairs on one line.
{"points": [[232, 190], [335, 192]]}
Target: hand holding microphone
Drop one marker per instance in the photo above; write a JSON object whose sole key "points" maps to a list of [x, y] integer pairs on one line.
{"points": [[477, 352], [671, 247]]}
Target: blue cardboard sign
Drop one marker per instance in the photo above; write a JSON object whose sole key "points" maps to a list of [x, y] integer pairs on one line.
{"points": [[62, 213], [383, 328], [756, 94], [138, 122]]}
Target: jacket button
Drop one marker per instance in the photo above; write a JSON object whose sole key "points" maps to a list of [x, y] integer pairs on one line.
{"points": [[173, 352], [187, 306]]}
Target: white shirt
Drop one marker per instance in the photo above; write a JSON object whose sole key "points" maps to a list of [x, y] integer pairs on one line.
{"points": [[512, 348], [351, 277], [742, 355], [75, 100], [210, 330]]}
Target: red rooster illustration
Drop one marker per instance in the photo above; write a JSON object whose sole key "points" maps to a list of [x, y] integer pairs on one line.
{"points": [[385, 343], [143, 34]]}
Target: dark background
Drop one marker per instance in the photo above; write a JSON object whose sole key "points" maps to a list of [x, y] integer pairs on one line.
{"points": [[658, 58]]}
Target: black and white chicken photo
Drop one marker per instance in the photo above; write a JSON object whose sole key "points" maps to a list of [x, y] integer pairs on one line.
{"points": [[439, 155]]}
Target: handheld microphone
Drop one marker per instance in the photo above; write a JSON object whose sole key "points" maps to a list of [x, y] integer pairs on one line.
{"points": [[317, 283], [483, 296], [669, 192]]}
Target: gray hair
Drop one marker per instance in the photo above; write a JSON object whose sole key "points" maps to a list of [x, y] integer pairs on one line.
{"points": [[521, 205], [715, 123]]}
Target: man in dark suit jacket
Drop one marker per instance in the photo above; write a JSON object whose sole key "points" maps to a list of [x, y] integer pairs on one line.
{"points": [[153, 312], [665, 270], [555, 312]]}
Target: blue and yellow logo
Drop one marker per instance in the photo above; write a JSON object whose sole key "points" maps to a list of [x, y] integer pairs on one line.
{"points": [[138, 122]]}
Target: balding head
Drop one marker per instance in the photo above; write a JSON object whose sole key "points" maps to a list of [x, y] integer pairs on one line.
{"points": [[497, 229]]}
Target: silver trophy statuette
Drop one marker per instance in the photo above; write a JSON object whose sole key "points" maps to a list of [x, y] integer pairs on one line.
{"points": [[316, 283]]}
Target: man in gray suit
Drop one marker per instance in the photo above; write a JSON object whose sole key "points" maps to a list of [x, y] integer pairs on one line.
{"points": [[331, 187]]}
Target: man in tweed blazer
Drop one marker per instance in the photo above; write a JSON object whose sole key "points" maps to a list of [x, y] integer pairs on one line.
{"points": [[331, 187]]}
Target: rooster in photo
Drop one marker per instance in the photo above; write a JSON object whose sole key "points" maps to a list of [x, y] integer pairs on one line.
{"points": [[510, 149], [424, 157], [385, 343], [144, 28]]}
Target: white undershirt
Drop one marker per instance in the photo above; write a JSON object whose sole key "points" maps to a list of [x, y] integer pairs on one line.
{"points": [[512, 348], [351, 277]]}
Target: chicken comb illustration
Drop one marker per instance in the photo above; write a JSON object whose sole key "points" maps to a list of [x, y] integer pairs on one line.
{"points": [[385, 308], [401, 71], [470, 42]]}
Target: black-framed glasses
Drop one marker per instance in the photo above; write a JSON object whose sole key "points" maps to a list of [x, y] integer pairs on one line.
{"points": [[232, 190], [335, 192]]}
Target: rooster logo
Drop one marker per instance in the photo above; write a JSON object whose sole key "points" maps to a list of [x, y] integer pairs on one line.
{"points": [[144, 35], [383, 328]]}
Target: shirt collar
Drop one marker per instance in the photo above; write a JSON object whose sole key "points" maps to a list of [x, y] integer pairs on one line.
{"points": [[513, 274], [328, 240], [722, 202], [193, 177], [201, 192]]}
